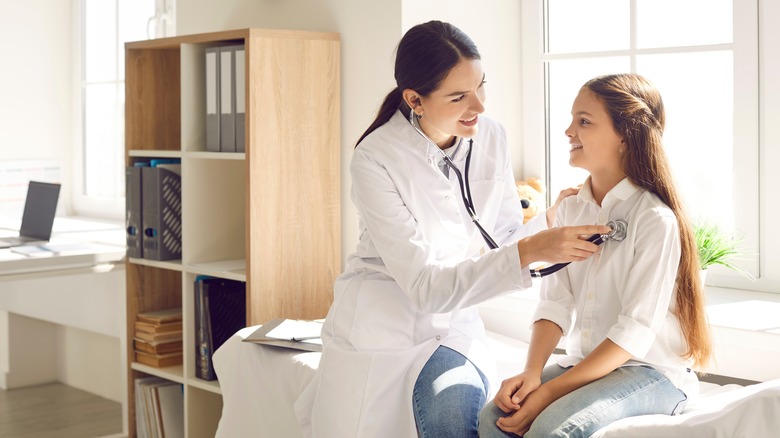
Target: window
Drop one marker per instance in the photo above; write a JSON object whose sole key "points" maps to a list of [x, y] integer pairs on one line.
{"points": [[103, 28], [706, 67]]}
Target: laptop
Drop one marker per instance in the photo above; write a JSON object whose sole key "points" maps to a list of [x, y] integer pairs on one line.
{"points": [[38, 216]]}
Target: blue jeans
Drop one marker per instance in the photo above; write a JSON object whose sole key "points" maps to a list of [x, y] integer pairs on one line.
{"points": [[448, 396], [626, 392]]}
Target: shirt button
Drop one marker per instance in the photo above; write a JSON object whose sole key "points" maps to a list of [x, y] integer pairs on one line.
{"points": [[430, 161], [438, 337], [590, 295], [447, 197]]}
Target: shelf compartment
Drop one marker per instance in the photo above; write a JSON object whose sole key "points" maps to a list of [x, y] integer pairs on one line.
{"points": [[202, 410], [214, 205], [153, 99]]}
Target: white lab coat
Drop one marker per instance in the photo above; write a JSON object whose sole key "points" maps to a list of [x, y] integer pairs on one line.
{"points": [[415, 278]]}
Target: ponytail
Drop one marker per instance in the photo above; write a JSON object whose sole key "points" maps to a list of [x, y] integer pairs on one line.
{"points": [[390, 105], [424, 57]]}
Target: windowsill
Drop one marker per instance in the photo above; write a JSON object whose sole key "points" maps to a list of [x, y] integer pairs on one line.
{"points": [[745, 328]]}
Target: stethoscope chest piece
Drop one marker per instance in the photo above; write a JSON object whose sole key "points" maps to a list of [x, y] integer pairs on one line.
{"points": [[619, 230]]}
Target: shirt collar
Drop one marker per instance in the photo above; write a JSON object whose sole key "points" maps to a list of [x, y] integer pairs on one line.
{"points": [[622, 191]]}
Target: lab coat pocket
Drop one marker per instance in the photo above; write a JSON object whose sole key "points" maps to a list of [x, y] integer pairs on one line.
{"points": [[384, 318]]}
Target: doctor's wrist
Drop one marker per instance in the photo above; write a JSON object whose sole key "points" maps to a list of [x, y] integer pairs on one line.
{"points": [[526, 252]]}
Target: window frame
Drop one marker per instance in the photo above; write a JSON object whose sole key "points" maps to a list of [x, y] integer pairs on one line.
{"points": [[750, 73], [163, 23]]}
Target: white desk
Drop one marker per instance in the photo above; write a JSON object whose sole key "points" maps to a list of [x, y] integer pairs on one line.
{"points": [[62, 316]]}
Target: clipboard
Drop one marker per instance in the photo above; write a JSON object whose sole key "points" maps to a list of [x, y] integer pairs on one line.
{"points": [[306, 339]]}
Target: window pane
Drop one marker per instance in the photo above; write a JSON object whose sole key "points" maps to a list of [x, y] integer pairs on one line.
{"points": [[100, 41], [606, 26], [103, 139], [134, 17], [697, 89], [675, 23], [566, 77]]}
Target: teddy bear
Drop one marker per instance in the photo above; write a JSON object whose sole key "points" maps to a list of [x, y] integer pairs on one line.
{"points": [[531, 191]]}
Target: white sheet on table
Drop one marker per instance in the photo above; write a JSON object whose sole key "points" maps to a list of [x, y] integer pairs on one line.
{"points": [[261, 383]]}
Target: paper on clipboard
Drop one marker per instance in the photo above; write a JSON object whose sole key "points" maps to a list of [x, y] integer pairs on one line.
{"points": [[289, 333]]}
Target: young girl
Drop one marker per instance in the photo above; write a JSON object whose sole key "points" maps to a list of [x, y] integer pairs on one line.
{"points": [[633, 314]]}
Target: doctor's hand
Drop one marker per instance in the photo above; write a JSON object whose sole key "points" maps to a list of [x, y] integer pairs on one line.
{"points": [[559, 245], [515, 389], [565, 193]]}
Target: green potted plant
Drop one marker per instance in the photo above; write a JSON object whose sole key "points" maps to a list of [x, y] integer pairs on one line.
{"points": [[716, 247]]}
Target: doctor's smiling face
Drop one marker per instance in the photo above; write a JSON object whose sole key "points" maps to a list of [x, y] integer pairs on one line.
{"points": [[595, 145], [452, 109]]}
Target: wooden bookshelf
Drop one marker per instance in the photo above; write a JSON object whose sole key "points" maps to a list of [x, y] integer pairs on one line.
{"points": [[276, 206]]}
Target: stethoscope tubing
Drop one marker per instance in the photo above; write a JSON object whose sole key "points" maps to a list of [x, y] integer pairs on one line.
{"points": [[466, 195]]}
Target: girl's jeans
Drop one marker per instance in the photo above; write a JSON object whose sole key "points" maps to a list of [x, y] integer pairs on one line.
{"points": [[626, 392]]}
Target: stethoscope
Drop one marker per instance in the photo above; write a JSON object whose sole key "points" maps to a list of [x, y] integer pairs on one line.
{"points": [[465, 188], [618, 233], [619, 226]]}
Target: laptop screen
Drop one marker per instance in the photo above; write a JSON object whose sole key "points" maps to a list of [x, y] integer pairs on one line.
{"points": [[39, 210]]}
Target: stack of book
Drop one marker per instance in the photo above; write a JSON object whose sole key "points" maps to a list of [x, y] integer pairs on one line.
{"points": [[158, 341]]}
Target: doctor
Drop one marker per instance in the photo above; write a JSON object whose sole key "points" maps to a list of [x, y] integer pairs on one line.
{"points": [[404, 351]]}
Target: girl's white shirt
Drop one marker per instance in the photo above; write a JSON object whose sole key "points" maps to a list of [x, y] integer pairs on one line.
{"points": [[626, 292], [417, 273]]}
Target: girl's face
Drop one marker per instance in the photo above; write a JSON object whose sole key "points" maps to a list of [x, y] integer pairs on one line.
{"points": [[595, 146], [451, 111]]}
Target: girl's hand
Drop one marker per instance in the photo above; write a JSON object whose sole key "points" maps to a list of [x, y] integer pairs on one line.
{"points": [[565, 193], [515, 389], [520, 421]]}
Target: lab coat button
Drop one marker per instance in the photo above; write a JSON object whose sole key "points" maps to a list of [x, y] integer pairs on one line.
{"points": [[438, 337], [430, 161], [447, 197]]}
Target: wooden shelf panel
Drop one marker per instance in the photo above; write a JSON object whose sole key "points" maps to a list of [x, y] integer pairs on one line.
{"points": [[174, 373]]}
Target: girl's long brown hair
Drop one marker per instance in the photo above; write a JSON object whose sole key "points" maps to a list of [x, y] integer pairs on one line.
{"points": [[637, 113]]}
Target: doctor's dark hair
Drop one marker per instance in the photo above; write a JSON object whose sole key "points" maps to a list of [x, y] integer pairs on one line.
{"points": [[637, 114], [424, 57]]}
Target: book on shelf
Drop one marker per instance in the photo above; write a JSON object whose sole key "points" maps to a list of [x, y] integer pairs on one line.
{"points": [[157, 347], [159, 407], [160, 316], [159, 337], [167, 327], [158, 322], [220, 311], [158, 360]]}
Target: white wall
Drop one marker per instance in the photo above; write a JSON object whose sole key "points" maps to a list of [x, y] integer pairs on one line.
{"points": [[36, 83], [370, 31]]}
